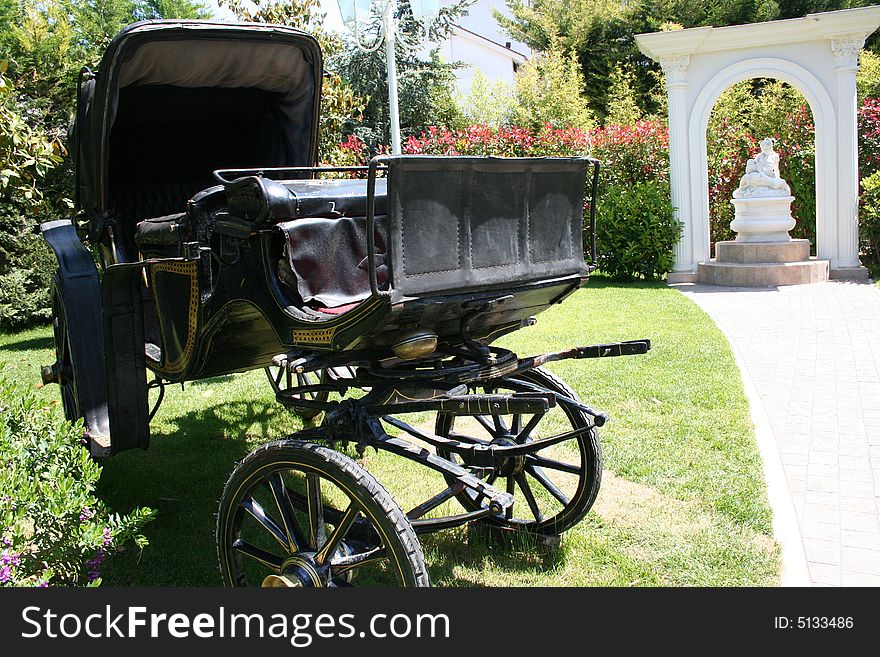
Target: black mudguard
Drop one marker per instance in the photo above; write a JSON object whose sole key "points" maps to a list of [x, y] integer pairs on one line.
{"points": [[125, 364]]}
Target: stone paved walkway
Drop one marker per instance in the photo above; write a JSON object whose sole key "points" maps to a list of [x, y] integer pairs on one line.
{"points": [[813, 354]]}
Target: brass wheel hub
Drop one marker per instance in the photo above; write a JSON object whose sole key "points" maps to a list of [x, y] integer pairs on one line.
{"points": [[298, 570]]}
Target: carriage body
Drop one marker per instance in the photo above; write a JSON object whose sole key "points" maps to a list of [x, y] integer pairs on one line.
{"points": [[223, 248], [210, 266]]}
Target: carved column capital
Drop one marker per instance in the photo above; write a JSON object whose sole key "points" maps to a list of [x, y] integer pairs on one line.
{"points": [[846, 50], [675, 69]]}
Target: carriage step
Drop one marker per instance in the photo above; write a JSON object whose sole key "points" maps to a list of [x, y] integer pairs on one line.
{"points": [[626, 348]]}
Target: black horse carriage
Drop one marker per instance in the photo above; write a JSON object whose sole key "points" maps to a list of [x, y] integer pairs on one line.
{"points": [[223, 248]]}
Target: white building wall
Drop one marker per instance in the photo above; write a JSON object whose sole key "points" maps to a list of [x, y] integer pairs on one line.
{"points": [[480, 44]]}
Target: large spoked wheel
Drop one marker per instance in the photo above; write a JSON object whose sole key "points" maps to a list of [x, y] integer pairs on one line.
{"points": [[298, 514], [63, 371], [553, 488]]}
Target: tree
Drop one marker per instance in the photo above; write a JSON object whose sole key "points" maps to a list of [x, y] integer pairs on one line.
{"points": [[424, 85], [549, 90], [340, 104], [45, 44], [486, 104], [602, 32], [172, 9]]}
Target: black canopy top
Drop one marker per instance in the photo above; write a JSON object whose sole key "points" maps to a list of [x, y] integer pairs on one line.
{"points": [[174, 100]]}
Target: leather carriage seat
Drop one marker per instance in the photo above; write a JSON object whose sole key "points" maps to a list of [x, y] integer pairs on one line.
{"points": [[151, 216], [325, 261], [160, 237]]}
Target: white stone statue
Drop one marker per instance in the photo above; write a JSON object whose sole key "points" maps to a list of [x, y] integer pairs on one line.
{"points": [[762, 203], [762, 179]]}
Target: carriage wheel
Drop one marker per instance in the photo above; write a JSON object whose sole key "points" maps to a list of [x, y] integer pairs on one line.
{"points": [[553, 488], [63, 372], [299, 514], [282, 379]]}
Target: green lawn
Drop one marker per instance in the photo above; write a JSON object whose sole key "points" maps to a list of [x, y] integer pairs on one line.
{"points": [[683, 500]]}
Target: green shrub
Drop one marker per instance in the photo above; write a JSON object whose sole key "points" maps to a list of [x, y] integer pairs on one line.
{"points": [[54, 531], [636, 230], [869, 223]]}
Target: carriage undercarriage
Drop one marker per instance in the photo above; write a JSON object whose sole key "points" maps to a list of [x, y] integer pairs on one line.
{"points": [[504, 446]]}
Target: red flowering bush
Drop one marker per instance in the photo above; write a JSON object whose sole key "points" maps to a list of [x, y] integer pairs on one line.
{"points": [[869, 168], [505, 141], [636, 226], [632, 154], [869, 137]]}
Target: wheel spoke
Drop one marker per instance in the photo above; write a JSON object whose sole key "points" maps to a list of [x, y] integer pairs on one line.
{"points": [[544, 480], [554, 465], [268, 523], [530, 496], [257, 554], [527, 430], [295, 537], [511, 489], [467, 439], [341, 565], [516, 425], [485, 423], [348, 518], [317, 528], [432, 503], [500, 425]]}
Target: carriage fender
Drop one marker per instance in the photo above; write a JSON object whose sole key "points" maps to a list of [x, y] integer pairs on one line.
{"points": [[80, 291]]}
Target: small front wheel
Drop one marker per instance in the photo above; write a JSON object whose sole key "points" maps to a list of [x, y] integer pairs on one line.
{"points": [[553, 487], [298, 514]]}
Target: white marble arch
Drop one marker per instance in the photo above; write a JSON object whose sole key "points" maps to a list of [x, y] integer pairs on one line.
{"points": [[818, 56]]}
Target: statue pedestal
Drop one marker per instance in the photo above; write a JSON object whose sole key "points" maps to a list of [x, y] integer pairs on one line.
{"points": [[762, 264], [762, 218]]}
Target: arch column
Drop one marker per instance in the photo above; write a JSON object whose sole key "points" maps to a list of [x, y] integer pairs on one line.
{"points": [[675, 70], [846, 64]]}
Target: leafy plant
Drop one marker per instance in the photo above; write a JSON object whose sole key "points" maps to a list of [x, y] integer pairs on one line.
{"points": [[636, 230], [869, 223], [549, 90], [53, 529], [26, 155]]}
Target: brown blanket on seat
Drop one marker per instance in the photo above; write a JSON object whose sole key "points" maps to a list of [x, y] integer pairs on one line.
{"points": [[328, 258]]}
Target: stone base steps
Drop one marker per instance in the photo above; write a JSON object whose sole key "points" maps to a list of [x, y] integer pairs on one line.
{"points": [[768, 274], [763, 264]]}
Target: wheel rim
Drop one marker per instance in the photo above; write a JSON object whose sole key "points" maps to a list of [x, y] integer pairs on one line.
{"points": [[294, 525], [553, 488]]}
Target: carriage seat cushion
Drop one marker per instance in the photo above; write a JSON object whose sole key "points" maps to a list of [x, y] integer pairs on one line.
{"points": [[328, 260], [160, 237]]}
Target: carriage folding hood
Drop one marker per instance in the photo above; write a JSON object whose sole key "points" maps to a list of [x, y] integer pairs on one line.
{"points": [[275, 70]]}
